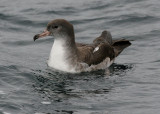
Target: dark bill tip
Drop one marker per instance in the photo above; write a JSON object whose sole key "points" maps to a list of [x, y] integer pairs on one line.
{"points": [[36, 37]]}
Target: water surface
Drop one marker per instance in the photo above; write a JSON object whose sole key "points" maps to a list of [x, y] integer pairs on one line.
{"points": [[27, 86]]}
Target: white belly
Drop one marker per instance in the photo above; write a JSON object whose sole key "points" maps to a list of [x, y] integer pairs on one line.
{"points": [[57, 58]]}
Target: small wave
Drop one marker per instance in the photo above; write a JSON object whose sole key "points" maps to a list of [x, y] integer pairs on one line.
{"points": [[64, 11], [9, 68], [26, 42], [59, 12], [120, 69], [5, 17], [28, 10], [83, 21], [19, 20], [124, 19], [99, 7], [26, 22], [18, 43]]}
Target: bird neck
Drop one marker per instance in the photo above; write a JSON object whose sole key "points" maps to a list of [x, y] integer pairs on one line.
{"points": [[66, 44], [63, 54]]}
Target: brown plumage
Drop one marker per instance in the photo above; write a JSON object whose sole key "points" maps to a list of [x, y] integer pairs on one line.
{"points": [[120, 45], [107, 48], [101, 52], [87, 54]]}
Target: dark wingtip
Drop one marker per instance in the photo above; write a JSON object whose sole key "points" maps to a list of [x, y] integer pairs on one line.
{"points": [[36, 37]]}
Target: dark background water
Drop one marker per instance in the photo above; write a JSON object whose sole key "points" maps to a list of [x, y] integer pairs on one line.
{"points": [[27, 86]]}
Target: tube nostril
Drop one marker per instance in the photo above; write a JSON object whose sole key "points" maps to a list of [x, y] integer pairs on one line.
{"points": [[36, 37], [48, 27]]}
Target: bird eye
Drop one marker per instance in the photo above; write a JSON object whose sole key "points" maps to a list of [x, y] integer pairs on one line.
{"points": [[55, 27]]}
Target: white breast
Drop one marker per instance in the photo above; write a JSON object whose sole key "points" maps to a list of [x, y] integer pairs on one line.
{"points": [[57, 59]]}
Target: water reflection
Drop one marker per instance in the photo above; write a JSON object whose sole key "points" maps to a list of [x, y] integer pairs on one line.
{"points": [[120, 69], [58, 86]]}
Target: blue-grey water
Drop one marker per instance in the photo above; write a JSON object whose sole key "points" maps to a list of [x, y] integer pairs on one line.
{"points": [[27, 86]]}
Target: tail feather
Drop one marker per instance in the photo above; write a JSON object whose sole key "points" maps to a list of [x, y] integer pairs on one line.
{"points": [[120, 45]]}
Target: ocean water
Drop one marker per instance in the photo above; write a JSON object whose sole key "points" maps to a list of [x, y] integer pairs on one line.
{"points": [[27, 86]]}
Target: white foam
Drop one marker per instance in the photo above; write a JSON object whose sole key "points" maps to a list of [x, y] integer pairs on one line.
{"points": [[6, 113], [2, 92], [39, 113], [46, 102]]}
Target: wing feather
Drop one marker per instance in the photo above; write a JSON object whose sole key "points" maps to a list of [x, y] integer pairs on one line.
{"points": [[91, 57]]}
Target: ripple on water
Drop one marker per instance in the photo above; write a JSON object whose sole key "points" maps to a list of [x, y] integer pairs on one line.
{"points": [[46, 102], [28, 87], [57, 86], [2, 92], [124, 19], [20, 20], [40, 113]]}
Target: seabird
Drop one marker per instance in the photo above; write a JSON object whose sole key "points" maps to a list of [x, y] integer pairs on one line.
{"points": [[68, 56]]}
